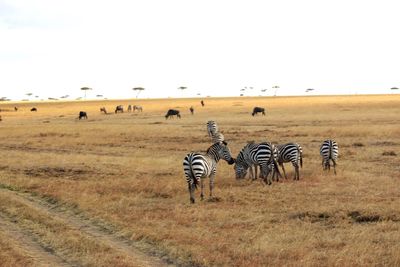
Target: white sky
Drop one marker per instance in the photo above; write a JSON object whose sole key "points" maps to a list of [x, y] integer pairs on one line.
{"points": [[214, 47]]}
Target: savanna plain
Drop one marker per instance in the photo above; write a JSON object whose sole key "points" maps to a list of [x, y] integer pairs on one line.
{"points": [[110, 190]]}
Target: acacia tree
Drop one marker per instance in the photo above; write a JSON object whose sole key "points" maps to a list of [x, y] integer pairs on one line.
{"points": [[182, 88], [86, 89], [394, 88], [138, 89]]}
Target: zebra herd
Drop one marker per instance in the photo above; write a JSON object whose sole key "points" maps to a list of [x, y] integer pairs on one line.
{"points": [[267, 156]]}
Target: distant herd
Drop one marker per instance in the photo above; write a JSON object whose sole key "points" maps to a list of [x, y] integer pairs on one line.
{"points": [[171, 113]]}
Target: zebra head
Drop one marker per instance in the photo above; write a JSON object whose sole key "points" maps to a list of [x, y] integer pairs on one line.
{"points": [[222, 151], [240, 171]]}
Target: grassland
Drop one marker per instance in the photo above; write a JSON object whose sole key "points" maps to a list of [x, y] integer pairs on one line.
{"points": [[121, 175]]}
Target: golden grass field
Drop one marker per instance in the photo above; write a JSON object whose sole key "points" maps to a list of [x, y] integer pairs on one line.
{"points": [[100, 192]]}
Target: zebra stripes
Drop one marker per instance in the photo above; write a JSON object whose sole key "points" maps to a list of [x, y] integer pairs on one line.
{"points": [[198, 166], [290, 152], [329, 151], [256, 154], [213, 132]]}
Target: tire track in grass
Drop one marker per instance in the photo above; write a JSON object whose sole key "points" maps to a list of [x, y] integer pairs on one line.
{"points": [[137, 257], [26, 243]]}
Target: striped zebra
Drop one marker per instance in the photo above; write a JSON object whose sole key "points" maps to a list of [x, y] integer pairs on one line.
{"points": [[329, 150], [290, 152], [199, 166], [256, 154], [217, 137], [212, 128]]}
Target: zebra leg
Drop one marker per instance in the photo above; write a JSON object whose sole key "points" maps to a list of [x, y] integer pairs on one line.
{"points": [[202, 189], [255, 171], [191, 192], [334, 166], [211, 185], [251, 173], [296, 172], [283, 169]]}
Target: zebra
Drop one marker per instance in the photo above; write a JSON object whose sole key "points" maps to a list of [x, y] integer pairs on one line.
{"points": [[290, 152], [329, 150], [103, 109], [212, 128], [199, 166], [129, 108], [217, 137], [256, 154]]}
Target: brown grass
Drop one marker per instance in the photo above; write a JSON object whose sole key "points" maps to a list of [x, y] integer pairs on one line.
{"points": [[126, 171]]}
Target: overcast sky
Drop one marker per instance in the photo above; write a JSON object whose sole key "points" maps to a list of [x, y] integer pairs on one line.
{"points": [[214, 47]]}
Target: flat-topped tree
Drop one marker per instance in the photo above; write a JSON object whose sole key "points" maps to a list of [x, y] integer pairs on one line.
{"points": [[182, 88], [86, 89], [393, 89], [138, 89]]}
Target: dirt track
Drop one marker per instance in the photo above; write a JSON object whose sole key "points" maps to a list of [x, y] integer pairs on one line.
{"points": [[47, 256]]}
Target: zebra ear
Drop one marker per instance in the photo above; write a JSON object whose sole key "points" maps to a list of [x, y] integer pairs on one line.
{"points": [[225, 143]]}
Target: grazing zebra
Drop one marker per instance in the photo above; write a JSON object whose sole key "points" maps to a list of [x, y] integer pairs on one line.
{"points": [[329, 151], [199, 166], [172, 112], [258, 110], [256, 154], [212, 128], [138, 108], [119, 108], [290, 152], [82, 115]]}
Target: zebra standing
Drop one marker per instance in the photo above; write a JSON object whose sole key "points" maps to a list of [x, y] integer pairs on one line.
{"points": [[329, 150], [199, 166], [256, 154], [212, 128], [290, 152]]}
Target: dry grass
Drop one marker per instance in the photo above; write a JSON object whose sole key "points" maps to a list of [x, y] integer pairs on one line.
{"points": [[126, 170]]}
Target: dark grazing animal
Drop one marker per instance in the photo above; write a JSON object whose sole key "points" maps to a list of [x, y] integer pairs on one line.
{"points": [[199, 166], [172, 112], [33, 109], [119, 108], [202, 103], [329, 151], [82, 115], [257, 110], [129, 108], [138, 108], [290, 152], [191, 110], [15, 108], [103, 109]]}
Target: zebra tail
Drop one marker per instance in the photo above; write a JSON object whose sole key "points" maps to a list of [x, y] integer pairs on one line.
{"points": [[195, 183], [301, 158]]}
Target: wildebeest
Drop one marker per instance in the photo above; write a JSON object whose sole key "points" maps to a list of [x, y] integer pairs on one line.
{"points": [[103, 109], [33, 109], [191, 110], [258, 110], [138, 108], [82, 115], [119, 108], [172, 112], [202, 103], [15, 108]]}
